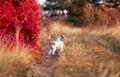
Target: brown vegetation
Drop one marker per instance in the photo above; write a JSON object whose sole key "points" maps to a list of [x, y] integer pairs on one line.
{"points": [[102, 16], [88, 53]]}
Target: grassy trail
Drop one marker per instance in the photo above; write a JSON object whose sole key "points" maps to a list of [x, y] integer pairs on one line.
{"points": [[87, 54]]}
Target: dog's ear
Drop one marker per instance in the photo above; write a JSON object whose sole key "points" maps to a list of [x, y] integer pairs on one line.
{"points": [[60, 35]]}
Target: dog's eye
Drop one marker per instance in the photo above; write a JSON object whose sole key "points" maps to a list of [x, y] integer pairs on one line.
{"points": [[64, 38]]}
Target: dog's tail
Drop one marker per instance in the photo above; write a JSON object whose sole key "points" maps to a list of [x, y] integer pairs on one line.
{"points": [[49, 40]]}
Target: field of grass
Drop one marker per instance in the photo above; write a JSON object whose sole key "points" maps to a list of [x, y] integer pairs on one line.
{"points": [[88, 52]]}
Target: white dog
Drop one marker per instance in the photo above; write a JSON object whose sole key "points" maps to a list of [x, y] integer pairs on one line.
{"points": [[58, 44]]}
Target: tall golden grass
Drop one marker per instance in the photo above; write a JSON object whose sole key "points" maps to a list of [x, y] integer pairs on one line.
{"points": [[88, 53], [15, 62]]}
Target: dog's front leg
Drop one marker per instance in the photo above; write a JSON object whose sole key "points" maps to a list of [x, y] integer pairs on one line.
{"points": [[61, 50]]}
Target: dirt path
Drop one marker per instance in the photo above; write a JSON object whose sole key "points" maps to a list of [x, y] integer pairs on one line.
{"points": [[43, 66]]}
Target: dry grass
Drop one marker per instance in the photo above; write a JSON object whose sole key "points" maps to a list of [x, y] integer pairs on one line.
{"points": [[15, 62], [87, 53]]}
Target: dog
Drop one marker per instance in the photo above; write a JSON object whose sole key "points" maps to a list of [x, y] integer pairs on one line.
{"points": [[56, 45]]}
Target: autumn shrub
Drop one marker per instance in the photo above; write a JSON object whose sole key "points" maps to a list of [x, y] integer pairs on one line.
{"points": [[19, 23], [102, 15]]}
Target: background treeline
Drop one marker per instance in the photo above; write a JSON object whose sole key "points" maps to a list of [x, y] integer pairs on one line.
{"points": [[83, 12]]}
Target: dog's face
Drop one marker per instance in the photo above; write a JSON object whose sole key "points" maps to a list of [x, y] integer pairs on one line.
{"points": [[63, 37]]}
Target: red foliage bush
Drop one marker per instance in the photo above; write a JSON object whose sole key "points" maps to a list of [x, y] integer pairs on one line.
{"points": [[20, 17]]}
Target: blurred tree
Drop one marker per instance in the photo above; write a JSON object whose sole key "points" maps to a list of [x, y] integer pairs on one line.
{"points": [[75, 8]]}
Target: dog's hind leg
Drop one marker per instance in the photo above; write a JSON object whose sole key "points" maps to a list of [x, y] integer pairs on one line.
{"points": [[54, 49], [49, 52]]}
